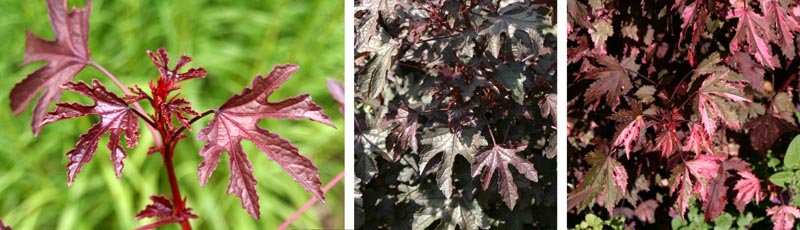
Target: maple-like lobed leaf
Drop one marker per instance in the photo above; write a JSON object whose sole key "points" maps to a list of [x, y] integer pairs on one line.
{"points": [[749, 189], [613, 80], [783, 216], [703, 169], [456, 212], [630, 134], [499, 158], [720, 98], [67, 55], [751, 28], [607, 182], [404, 135], [766, 129], [237, 120], [698, 140], [115, 117], [441, 140], [668, 142], [785, 24]]}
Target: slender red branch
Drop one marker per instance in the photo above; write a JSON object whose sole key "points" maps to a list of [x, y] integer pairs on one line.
{"points": [[195, 119], [311, 201], [177, 201], [158, 223]]}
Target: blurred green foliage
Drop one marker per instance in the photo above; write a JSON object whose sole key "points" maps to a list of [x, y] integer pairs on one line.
{"points": [[234, 41]]}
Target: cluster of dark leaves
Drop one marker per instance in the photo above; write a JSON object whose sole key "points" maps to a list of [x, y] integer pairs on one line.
{"points": [[236, 120], [448, 94], [674, 99]]}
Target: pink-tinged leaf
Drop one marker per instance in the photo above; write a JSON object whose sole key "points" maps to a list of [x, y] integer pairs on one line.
{"points": [[694, 17], [749, 188], [704, 166], [667, 124], [606, 181], [67, 55], [754, 30], [783, 216], [784, 24], [498, 158], [336, 89], [703, 169], [698, 140], [668, 142], [161, 207], [719, 100], [630, 134], [115, 117], [237, 119]]}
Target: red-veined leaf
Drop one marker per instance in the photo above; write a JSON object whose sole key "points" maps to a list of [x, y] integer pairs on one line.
{"points": [[498, 158], [237, 119], [67, 55], [607, 179], [719, 100], [783, 216], [115, 117], [631, 133], [754, 30], [749, 188]]}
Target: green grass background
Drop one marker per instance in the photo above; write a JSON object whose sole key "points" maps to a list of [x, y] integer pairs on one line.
{"points": [[233, 41]]}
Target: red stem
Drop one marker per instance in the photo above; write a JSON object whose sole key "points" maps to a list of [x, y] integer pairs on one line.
{"points": [[178, 202]]}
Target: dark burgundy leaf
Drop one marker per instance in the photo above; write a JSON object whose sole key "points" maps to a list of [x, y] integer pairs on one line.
{"points": [[161, 208], [404, 135], [237, 119], [498, 158], [115, 117], [751, 71], [613, 80], [717, 196], [67, 55], [441, 140], [765, 129]]}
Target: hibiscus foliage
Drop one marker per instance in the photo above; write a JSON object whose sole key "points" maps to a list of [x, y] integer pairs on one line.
{"points": [[677, 105]]}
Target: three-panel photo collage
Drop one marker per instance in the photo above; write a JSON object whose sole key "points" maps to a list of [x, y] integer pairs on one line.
{"points": [[400, 114]]}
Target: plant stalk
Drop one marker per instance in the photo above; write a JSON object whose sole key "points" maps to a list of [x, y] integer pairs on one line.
{"points": [[167, 154]]}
